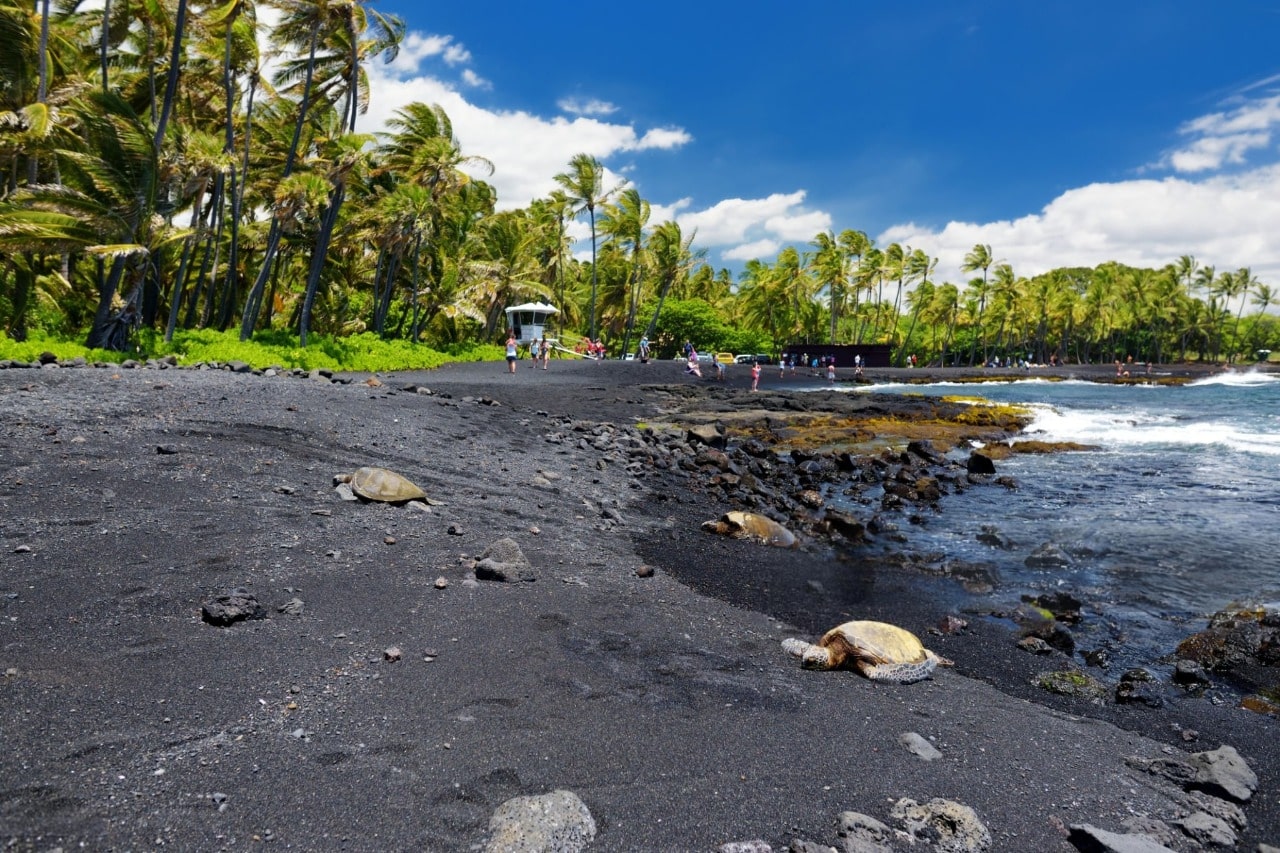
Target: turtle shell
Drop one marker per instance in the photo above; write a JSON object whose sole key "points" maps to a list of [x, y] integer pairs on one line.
{"points": [[880, 651], [381, 484], [879, 642], [750, 525]]}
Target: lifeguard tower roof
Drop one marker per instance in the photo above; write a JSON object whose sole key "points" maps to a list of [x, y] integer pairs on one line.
{"points": [[529, 321]]}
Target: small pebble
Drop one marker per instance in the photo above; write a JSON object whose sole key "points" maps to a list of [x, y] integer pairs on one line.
{"points": [[22, 549], [390, 540], [392, 653], [645, 571], [441, 582]]}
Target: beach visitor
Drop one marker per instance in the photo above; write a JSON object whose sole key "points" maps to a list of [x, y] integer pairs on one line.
{"points": [[544, 351], [755, 376], [719, 370], [512, 355], [831, 369], [693, 366], [644, 350], [782, 365]]}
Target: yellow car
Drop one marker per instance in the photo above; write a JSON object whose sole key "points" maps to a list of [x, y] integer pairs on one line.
{"points": [[724, 357]]}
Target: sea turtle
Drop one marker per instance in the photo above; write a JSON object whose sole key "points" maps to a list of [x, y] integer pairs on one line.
{"points": [[878, 650], [380, 484], [750, 525]]}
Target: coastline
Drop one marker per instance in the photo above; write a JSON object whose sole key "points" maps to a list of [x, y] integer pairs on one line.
{"points": [[664, 702]]}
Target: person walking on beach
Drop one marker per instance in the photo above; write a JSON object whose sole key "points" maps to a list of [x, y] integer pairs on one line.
{"points": [[512, 354], [644, 350], [782, 365], [755, 376], [831, 369], [693, 366], [544, 351]]}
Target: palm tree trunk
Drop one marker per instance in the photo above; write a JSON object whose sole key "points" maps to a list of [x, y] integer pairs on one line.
{"points": [[317, 259], [253, 302], [102, 322]]}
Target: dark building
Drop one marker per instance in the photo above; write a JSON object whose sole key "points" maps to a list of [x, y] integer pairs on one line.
{"points": [[873, 355]]}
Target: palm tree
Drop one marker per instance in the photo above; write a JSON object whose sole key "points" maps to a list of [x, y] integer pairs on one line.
{"points": [[831, 267], [1184, 271], [1263, 297], [348, 157], [944, 309], [303, 22], [868, 273], [624, 223], [855, 244], [979, 258], [582, 185], [1244, 284], [918, 266], [503, 269], [672, 257]]}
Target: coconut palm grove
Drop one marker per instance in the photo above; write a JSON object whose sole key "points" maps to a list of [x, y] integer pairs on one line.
{"points": [[180, 173]]}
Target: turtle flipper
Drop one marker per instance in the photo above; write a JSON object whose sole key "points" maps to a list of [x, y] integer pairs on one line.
{"points": [[811, 656], [795, 648]]}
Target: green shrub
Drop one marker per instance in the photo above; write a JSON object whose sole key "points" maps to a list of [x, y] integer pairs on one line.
{"points": [[362, 353]]}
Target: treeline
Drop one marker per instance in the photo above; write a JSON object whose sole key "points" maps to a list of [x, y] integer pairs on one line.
{"points": [[157, 177]]}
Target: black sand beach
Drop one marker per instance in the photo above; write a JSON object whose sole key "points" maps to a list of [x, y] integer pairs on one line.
{"points": [[407, 700]]}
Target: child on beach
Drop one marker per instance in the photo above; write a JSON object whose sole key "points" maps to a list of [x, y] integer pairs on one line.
{"points": [[693, 366], [755, 376], [512, 355], [831, 369]]}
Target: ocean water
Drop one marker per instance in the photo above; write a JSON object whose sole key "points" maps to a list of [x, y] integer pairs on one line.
{"points": [[1174, 516]]}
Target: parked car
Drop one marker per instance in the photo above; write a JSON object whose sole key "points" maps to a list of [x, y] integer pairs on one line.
{"points": [[745, 358], [724, 357], [763, 358]]}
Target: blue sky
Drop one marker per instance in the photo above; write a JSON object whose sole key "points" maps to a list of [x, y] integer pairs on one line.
{"points": [[1059, 133]]}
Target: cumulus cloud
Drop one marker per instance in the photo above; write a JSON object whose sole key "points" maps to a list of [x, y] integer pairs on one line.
{"points": [[750, 228], [526, 150], [1226, 221]]}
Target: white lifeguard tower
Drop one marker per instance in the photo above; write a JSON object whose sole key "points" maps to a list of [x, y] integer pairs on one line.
{"points": [[529, 321]]}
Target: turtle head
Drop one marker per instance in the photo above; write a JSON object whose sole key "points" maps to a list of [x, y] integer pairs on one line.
{"points": [[816, 657]]}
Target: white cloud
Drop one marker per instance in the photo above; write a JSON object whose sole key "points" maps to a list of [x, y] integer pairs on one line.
{"points": [[756, 249], [474, 80], [1224, 220], [416, 47], [1227, 221], [1224, 138], [588, 107], [527, 150], [1213, 152]]}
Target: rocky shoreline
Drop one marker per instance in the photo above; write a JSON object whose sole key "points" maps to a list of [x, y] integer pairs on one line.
{"points": [[556, 625]]}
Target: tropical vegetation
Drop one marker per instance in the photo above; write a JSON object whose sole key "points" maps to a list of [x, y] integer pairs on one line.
{"points": [[181, 174]]}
